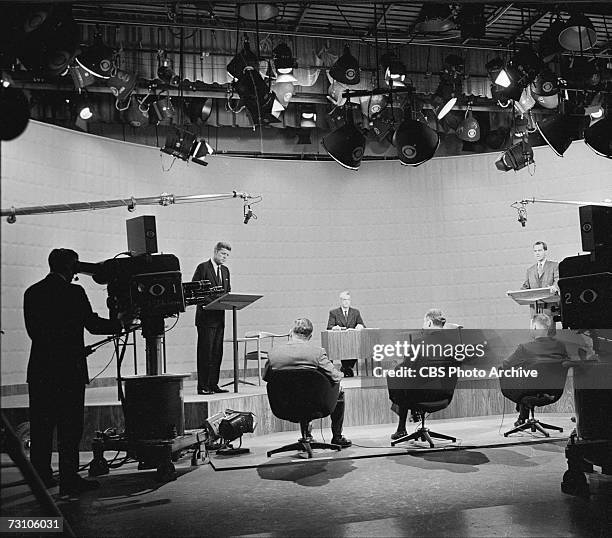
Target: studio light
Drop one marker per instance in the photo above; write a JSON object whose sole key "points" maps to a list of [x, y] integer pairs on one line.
{"points": [[284, 92], [595, 108], [165, 73], [201, 150], [515, 158], [549, 45], [526, 101], [85, 109], [557, 132], [308, 118], [346, 68], [97, 59], [236, 423], [14, 111], [395, 74], [546, 84], [135, 114], [346, 144], [244, 59], [469, 129], [415, 141], [372, 105], [450, 86], [284, 62], [51, 39], [435, 19], [599, 137], [184, 145], [198, 109], [180, 144], [579, 34], [513, 77], [256, 96]]}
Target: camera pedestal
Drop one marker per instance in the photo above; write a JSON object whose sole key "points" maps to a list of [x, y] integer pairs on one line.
{"points": [[154, 427]]}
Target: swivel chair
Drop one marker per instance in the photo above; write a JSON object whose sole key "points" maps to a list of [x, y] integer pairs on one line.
{"points": [[301, 395], [424, 395], [545, 389]]}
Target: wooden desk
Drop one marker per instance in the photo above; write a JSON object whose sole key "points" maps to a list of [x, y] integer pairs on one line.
{"points": [[350, 344]]}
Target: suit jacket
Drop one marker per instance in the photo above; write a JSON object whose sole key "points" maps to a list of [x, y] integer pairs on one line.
{"points": [[336, 317], [550, 276], [301, 354], [541, 348], [207, 271], [56, 313]]}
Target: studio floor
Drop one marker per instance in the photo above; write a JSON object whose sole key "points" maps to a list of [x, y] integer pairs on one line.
{"points": [[482, 485]]}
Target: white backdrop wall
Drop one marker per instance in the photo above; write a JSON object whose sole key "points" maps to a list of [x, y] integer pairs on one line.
{"points": [[401, 239]]}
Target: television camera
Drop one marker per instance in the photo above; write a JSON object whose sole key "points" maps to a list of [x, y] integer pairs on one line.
{"points": [[585, 285], [148, 287]]}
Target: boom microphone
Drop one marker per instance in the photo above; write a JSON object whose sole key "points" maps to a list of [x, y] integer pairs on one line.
{"points": [[248, 213]]}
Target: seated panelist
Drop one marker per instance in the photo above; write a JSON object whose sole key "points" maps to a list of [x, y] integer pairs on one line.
{"points": [[543, 346], [300, 352], [434, 319]]}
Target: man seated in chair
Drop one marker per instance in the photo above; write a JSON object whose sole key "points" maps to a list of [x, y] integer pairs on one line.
{"points": [[299, 352], [434, 319], [543, 346]]}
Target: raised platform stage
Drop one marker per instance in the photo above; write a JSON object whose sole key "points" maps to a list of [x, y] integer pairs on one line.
{"points": [[367, 403]]}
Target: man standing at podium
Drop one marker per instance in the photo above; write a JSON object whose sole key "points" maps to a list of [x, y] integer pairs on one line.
{"points": [[544, 273], [345, 317], [211, 323]]}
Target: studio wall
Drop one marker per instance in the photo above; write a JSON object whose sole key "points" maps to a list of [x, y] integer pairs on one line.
{"points": [[400, 239]]}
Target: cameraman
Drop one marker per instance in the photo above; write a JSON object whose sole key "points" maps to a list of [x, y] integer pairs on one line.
{"points": [[56, 312]]}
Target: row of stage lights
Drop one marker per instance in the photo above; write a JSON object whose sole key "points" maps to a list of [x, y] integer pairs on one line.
{"points": [[523, 81]]}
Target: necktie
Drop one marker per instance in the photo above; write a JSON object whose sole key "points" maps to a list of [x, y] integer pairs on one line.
{"points": [[540, 269], [220, 280]]}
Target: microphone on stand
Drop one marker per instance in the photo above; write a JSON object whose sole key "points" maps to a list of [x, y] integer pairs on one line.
{"points": [[248, 213]]}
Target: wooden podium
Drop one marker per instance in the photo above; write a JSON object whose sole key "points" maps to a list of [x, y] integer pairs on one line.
{"points": [[233, 302], [350, 344], [536, 297]]}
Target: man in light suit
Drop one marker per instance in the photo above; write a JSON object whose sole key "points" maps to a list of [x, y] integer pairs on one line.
{"points": [[345, 317], [544, 273], [211, 323], [299, 352]]}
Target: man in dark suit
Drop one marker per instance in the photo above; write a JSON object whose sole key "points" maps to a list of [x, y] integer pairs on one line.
{"points": [[543, 347], [299, 352], [211, 323], [433, 321], [345, 317], [544, 273], [56, 313]]}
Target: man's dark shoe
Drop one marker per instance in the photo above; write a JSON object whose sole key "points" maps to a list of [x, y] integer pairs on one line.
{"points": [[205, 390], [519, 421], [342, 441], [398, 434], [78, 486], [219, 390]]}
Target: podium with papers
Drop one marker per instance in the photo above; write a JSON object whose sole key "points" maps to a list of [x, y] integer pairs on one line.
{"points": [[538, 298]]}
